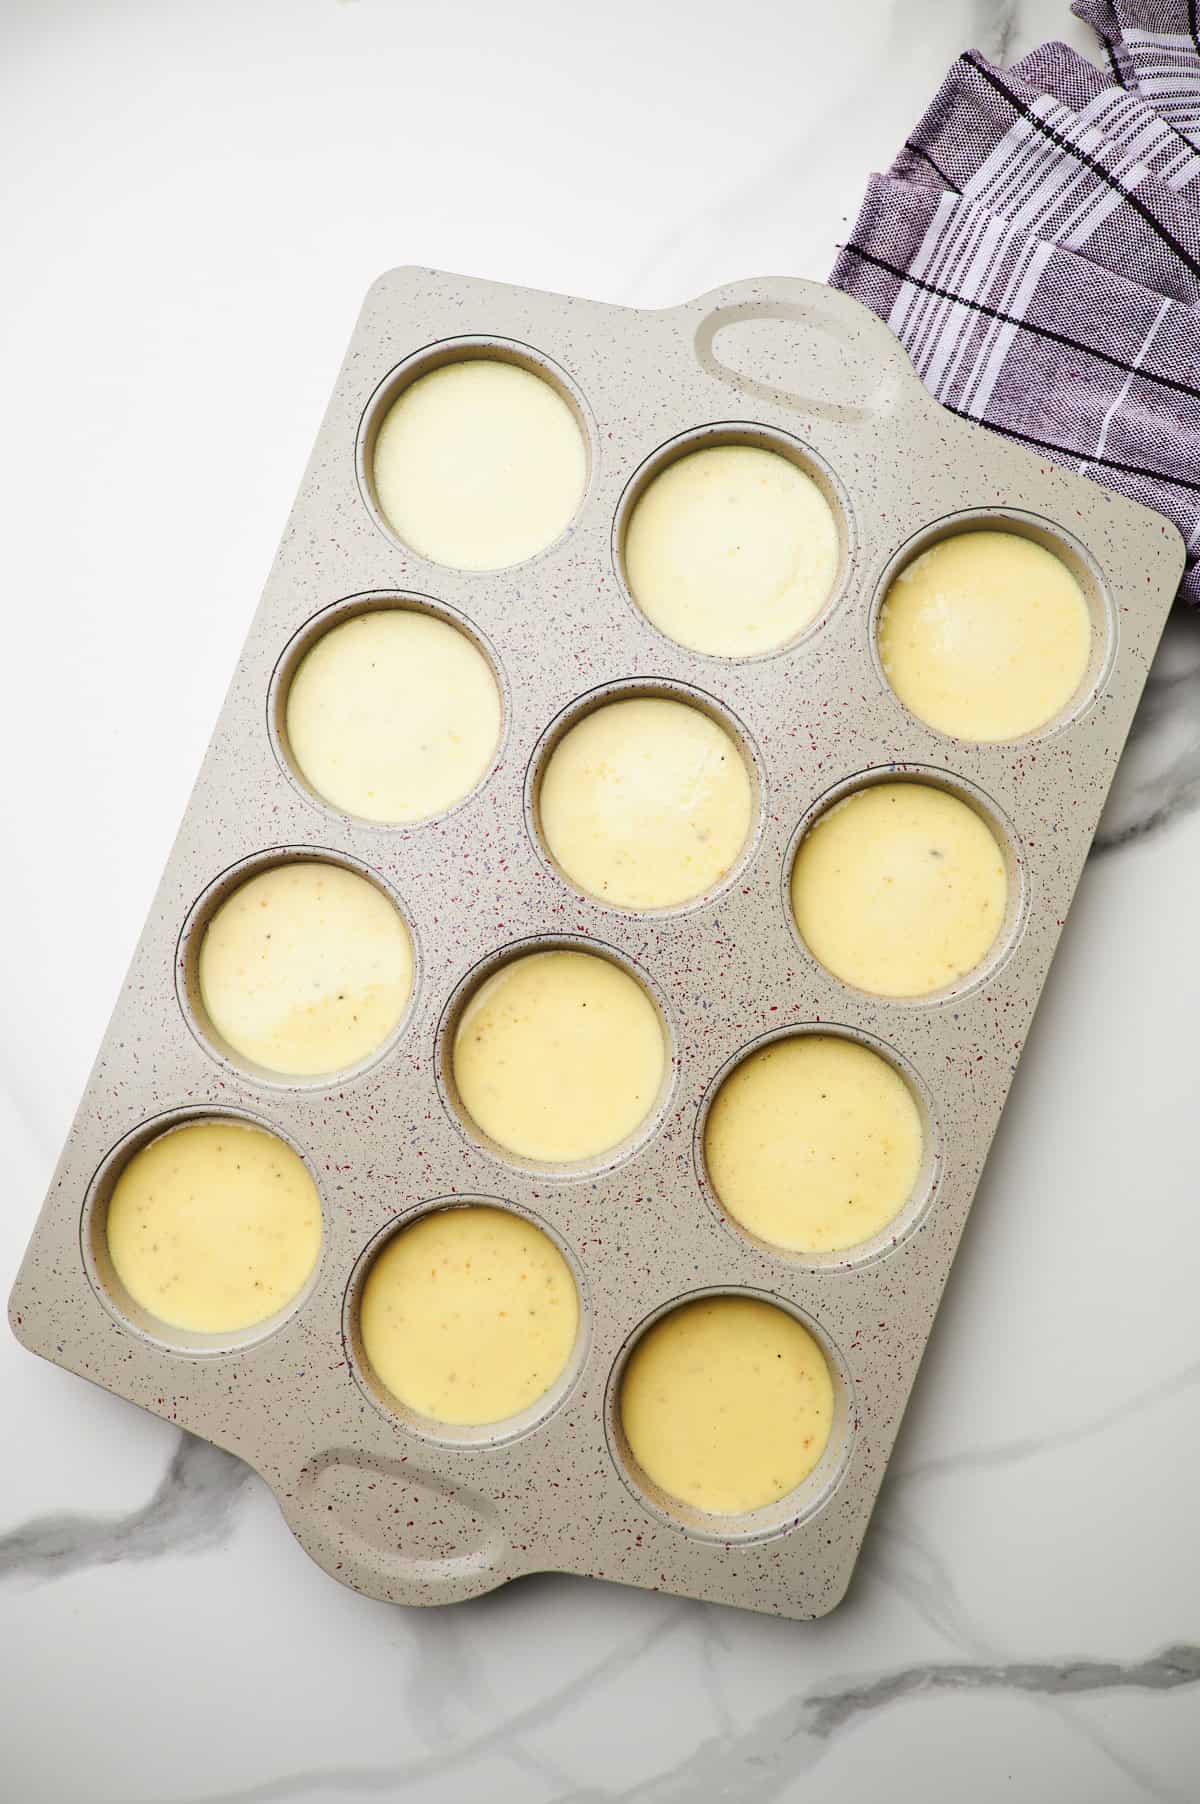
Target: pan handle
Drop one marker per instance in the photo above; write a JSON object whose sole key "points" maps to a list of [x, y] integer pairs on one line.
{"points": [[808, 346], [387, 1528]]}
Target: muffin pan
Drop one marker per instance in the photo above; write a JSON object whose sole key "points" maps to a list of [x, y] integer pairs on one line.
{"points": [[399, 1505]]}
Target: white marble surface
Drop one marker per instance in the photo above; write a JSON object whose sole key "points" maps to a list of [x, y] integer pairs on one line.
{"points": [[203, 193]]}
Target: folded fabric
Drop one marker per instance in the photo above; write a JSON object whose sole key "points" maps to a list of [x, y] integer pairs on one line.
{"points": [[1153, 47], [1102, 17], [1012, 133], [1036, 248]]}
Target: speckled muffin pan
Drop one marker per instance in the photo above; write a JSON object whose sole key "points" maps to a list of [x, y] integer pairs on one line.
{"points": [[383, 1502]]}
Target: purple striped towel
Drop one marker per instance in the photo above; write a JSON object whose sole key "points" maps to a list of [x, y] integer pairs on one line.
{"points": [[1036, 249]]}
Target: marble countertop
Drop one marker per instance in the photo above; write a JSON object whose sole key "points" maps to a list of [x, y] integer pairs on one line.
{"points": [[205, 192]]}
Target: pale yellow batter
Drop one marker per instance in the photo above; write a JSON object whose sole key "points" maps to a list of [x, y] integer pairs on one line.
{"points": [[306, 969], [727, 1404], [985, 636], [479, 464], [214, 1226], [470, 1315], [813, 1143], [731, 551], [559, 1056], [646, 803], [393, 716], [900, 889]]}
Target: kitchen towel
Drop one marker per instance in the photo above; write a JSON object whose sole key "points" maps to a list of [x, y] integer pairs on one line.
{"points": [[1036, 248]]}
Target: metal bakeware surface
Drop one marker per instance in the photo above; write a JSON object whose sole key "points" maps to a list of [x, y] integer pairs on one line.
{"points": [[384, 1503]]}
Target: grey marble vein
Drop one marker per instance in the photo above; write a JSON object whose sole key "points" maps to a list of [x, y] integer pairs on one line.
{"points": [[1025, 1446], [192, 1507], [386, 1779], [899, 1557], [758, 1766], [450, 1680], [1158, 778], [1175, 1666], [754, 1766], [994, 25]]}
